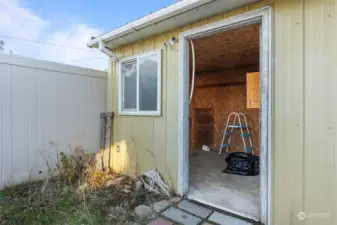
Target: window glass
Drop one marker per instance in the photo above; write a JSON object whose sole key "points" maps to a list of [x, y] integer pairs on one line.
{"points": [[129, 72], [148, 83], [140, 81]]}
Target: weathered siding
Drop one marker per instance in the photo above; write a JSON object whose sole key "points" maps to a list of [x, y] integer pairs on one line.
{"points": [[288, 126], [319, 108], [45, 108], [145, 139], [325, 65], [303, 108], [152, 142], [304, 111]]}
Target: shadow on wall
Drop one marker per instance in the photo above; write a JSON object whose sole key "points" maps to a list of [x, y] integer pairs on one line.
{"points": [[116, 157], [119, 157]]}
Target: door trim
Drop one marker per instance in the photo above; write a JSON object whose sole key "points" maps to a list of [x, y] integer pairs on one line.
{"points": [[261, 16]]}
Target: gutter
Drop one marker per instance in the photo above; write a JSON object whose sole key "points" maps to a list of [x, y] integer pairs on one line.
{"points": [[105, 50], [149, 20]]}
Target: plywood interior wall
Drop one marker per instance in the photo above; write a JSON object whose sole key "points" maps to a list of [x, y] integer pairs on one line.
{"points": [[222, 61], [234, 48], [222, 92]]}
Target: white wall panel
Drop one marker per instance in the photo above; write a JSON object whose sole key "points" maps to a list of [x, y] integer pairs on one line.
{"points": [[45, 108]]}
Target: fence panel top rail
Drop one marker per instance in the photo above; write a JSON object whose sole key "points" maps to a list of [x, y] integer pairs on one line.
{"points": [[50, 66]]}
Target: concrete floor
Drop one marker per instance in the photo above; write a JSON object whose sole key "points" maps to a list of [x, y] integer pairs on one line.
{"points": [[232, 193]]}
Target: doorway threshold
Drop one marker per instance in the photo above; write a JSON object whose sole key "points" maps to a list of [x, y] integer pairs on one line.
{"points": [[205, 202]]}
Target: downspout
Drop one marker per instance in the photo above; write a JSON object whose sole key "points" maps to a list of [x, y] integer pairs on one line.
{"points": [[109, 95], [105, 50]]}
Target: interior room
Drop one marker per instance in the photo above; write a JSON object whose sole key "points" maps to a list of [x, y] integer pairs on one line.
{"points": [[226, 80]]}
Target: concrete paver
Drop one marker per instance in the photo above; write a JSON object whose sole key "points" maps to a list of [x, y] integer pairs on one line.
{"points": [[160, 206], [180, 216], [195, 209]]}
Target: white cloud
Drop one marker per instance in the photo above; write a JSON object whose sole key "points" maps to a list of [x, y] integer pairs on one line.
{"points": [[17, 21], [77, 36]]}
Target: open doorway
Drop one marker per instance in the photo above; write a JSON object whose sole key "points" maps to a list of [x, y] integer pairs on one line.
{"points": [[233, 74], [226, 81]]}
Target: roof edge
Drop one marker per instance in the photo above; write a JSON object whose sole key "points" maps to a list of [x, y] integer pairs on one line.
{"points": [[150, 19]]}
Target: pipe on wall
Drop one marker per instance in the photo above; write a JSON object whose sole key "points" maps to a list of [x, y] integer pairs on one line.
{"points": [[193, 71]]}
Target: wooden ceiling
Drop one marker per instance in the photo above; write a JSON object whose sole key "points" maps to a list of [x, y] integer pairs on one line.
{"points": [[235, 48]]}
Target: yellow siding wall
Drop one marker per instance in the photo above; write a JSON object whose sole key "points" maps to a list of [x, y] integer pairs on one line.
{"points": [[304, 151], [149, 142], [303, 120], [152, 142]]}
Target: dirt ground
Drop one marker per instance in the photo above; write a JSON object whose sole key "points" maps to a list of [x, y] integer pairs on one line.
{"points": [[79, 194], [55, 203]]}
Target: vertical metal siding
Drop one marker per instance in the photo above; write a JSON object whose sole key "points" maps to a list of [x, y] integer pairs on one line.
{"points": [[144, 138], [320, 52], [304, 108], [43, 110], [152, 142], [304, 112], [287, 104]]}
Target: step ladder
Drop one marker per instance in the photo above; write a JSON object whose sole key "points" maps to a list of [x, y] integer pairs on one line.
{"points": [[234, 121]]}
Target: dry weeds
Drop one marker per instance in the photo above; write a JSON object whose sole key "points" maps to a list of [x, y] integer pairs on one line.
{"points": [[78, 195]]}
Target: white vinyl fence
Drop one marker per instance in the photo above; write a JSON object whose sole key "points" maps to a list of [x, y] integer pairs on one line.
{"points": [[45, 108]]}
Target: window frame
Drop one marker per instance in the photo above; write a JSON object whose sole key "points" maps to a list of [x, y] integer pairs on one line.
{"points": [[137, 112]]}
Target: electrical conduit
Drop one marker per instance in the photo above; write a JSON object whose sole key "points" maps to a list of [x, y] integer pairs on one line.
{"points": [[193, 71]]}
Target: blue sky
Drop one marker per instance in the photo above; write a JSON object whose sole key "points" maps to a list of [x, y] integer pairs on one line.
{"points": [[102, 14], [67, 22]]}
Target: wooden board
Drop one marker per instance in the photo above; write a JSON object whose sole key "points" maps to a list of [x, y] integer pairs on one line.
{"points": [[223, 100], [238, 47], [204, 126], [253, 90]]}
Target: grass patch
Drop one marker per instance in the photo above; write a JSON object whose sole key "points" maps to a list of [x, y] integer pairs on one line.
{"points": [[79, 195], [64, 204]]}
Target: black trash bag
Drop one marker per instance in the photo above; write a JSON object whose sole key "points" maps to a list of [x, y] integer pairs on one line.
{"points": [[241, 163]]}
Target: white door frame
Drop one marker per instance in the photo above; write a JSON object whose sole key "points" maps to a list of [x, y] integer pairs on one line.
{"points": [[261, 16]]}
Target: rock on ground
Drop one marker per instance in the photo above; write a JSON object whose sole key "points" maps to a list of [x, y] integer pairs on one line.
{"points": [[175, 200], [144, 211], [139, 185]]}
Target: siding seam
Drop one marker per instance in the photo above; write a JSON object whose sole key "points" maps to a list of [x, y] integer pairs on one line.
{"points": [[11, 119], [303, 105], [1, 107], [58, 115], [166, 89]]}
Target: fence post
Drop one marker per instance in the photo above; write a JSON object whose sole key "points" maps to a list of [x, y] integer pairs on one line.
{"points": [[106, 126]]}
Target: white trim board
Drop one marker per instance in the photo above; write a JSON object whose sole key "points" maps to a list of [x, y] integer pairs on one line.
{"points": [[137, 112], [260, 16]]}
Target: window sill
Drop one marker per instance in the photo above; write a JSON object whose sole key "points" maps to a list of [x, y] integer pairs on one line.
{"points": [[131, 113]]}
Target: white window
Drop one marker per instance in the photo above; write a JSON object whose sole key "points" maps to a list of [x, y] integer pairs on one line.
{"points": [[140, 85]]}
